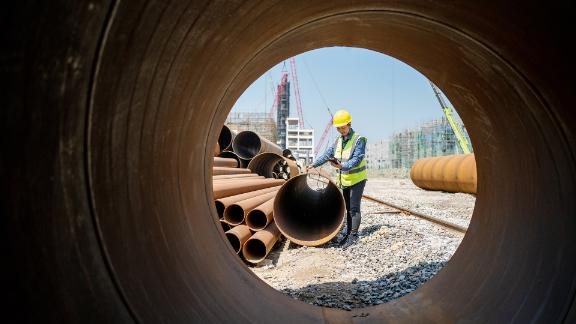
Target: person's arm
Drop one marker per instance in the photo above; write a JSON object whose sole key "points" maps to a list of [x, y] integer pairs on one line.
{"points": [[323, 158], [357, 155]]}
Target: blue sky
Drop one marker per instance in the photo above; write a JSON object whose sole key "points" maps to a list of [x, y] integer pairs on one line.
{"points": [[384, 95]]}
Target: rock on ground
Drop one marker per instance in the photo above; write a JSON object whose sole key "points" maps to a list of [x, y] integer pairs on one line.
{"points": [[396, 253]]}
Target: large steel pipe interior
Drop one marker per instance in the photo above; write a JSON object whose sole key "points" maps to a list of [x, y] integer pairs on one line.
{"points": [[306, 215], [248, 144], [111, 110]]}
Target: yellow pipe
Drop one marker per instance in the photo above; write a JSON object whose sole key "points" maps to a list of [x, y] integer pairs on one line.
{"points": [[451, 173]]}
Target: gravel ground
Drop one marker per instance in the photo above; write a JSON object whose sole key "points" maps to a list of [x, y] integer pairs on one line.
{"points": [[396, 253]]}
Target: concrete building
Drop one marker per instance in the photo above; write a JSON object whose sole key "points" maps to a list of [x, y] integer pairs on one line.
{"points": [[378, 155], [300, 141]]}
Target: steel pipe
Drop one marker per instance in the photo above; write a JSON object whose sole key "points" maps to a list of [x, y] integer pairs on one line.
{"points": [[236, 212], [307, 216], [225, 162], [222, 203], [257, 247], [259, 217], [236, 176], [237, 236], [452, 173], [234, 188], [232, 155], [110, 110], [227, 170], [267, 164], [225, 138], [248, 144]]}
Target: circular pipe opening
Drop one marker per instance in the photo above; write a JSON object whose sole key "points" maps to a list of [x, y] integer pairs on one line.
{"points": [[256, 220], [254, 251], [159, 92], [247, 144], [307, 216]]}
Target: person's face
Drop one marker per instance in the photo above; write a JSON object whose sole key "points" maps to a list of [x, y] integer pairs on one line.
{"points": [[344, 130]]}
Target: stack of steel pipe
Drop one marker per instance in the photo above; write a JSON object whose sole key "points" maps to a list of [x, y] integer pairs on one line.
{"points": [[272, 165], [451, 173], [244, 207]]}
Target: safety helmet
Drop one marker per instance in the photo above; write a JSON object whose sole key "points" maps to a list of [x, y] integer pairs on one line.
{"points": [[341, 118]]}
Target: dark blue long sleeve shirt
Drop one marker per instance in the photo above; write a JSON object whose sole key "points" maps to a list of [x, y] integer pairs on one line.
{"points": [[356, 157]]}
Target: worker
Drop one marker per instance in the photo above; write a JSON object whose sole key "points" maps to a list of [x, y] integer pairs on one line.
{"points": [[347, 156]]}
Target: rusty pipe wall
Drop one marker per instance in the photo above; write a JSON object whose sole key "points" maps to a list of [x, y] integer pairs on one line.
{"points": [[264, 164], [110, 110], [259, 217], [229, 170], [451, 173], [248, 144], [236, 212], [226, 189], [225, 162], [237, 236], [257, 247], [222, 203], [236, 176], [307, 216], [231, 155]]}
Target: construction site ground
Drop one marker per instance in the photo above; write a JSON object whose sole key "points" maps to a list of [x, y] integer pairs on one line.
{"points": [[395, 254]]}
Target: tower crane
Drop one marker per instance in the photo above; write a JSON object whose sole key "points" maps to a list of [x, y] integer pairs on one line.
{"points": [[448, 112], [297, 92]]}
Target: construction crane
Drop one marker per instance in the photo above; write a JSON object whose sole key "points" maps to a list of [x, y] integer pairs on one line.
{"points": [[449, 113], [323, 137], [297, 92]]}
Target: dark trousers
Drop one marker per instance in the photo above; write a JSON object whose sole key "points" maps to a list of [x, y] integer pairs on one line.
{"points": [[353, 196]]}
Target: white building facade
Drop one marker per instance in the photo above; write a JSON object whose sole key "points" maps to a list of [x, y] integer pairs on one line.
{"points": [[300, 141]]}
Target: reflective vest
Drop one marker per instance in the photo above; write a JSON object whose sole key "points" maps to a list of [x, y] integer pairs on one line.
{"points": [[357, 173]]}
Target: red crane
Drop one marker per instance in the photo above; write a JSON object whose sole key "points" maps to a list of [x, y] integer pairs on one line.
{"points": [[297, 92], [323, 137]]}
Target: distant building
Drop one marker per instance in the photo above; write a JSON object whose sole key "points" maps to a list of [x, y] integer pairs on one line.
{"points": [[260, 123], [300, 141], [378, 155]]}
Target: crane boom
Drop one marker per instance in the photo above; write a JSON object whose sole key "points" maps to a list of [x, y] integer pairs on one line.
{"points": [[458, 132], [323, 137], [297, 92]]}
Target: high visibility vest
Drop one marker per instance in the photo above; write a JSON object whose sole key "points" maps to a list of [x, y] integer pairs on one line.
{"points": [[357, 173]]}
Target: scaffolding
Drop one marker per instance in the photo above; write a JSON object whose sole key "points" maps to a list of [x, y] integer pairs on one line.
{"points": [[260, 123], [432, 138]]}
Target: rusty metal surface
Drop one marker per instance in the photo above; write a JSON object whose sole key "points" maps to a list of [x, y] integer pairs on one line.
{"points": [[257, 247], [267, 164], [222, 203], [451, 173], [226, 162], [231, 188], [248, 144], [228, 170], [236, 176], [232, 155], [261, 216], [110, 112], [235, 212], [307, 216], [237, 236]]}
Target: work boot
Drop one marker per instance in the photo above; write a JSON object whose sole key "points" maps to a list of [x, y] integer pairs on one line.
{"points": [[356, 218]]}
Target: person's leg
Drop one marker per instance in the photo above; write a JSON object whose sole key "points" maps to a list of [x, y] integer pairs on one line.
{"points": [[341, 238], [356, 192]]}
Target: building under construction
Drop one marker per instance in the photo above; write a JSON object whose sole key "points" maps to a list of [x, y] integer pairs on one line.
{"points": [[261, 123], [432, 138]]}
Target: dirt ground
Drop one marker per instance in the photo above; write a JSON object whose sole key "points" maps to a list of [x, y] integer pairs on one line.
{"points": [[396, 252]]}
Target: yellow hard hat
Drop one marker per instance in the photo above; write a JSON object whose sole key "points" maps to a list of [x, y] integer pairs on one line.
{"points": [[341, 118]]}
